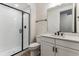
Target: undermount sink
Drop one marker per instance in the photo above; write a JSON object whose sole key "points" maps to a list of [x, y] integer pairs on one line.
{"points": [[61, 37], [67, 37], [53, 35]]}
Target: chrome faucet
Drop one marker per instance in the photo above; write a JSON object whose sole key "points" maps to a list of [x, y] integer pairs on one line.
{"points": [[58, 33]]}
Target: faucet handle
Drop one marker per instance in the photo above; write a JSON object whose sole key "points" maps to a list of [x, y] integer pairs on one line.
{"points": [[58, 33], [55, 33], [61, 34]]}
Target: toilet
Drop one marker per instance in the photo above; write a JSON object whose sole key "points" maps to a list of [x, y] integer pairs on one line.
{"points": [[34, 49]]}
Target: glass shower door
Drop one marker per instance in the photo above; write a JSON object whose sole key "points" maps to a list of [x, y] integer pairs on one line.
{"points": [[25, 30], [10, 30]]}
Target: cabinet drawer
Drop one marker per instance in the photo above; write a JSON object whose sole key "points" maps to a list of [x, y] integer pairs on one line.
{"points": [[68, 44], [47, 39], [61, 51], [48, 44]]}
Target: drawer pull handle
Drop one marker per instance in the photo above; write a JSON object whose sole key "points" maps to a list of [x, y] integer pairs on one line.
{"points": [[56, 50], [53, 49]]}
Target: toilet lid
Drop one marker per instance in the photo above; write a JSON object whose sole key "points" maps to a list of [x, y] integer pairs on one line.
{"points": [[34, 45]]}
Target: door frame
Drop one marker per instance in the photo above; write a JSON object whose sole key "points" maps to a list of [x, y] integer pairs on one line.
{"points": [[22, 26]]}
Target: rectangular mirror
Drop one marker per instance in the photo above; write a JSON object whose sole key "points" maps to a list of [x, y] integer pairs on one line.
{"points": [[62, 18]]}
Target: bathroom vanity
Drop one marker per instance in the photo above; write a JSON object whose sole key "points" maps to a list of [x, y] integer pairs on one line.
{"points": [[63, 18], [52, 45]]}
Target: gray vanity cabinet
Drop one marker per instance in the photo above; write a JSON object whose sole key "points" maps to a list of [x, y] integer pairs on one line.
{"points": [[47, 46], [47, 49], [62, 51], [67, 48], [58, 47]]}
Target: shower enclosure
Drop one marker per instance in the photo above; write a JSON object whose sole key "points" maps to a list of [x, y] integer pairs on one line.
{"points": [[14, 30]]}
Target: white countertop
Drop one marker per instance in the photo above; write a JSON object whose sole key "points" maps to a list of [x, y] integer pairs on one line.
{"points": [[65, 37]]}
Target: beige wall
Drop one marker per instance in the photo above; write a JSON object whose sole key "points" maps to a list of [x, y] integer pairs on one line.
{"points": [[41, 10], [41, 14], [33, 19], [38, 12]]}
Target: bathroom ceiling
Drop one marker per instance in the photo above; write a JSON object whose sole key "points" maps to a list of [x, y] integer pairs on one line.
{"points": [[22, 6], [53, 5]]}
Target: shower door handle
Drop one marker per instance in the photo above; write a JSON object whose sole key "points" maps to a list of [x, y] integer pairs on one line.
{"points": [[20, 30], [25, 26]]}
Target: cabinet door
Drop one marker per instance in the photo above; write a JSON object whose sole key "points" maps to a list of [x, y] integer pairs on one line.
{"points": [[47, 49], [62, 51]]}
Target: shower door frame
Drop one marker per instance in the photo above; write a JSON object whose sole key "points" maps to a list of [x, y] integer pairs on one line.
{"points": [[22, 26]]}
